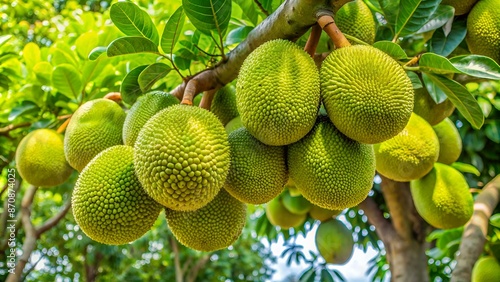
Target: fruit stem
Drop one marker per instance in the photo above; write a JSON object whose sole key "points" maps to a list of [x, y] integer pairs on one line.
{"points": [[327, 23], [63, 126], [313, 40], [114, 96], [206, 100]]}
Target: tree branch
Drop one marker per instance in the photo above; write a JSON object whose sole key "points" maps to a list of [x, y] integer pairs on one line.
{"points": [[264, 11], [179, 274], [53, 221], [197, 267], [383, 227], [10, 127], [313, 40], [398, 199], [474, 236]]}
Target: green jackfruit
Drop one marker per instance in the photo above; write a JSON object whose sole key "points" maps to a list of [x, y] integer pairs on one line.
{"points": [[234, 124], [108, 202], [462, 7], [322, 214], [224, 104], [442, 197], [40, 158], [182, 157], [426, 108], [277, 93], [486, 269], [411, 154], [143, 109], [278, 215], [258, 171], [295, 204], [95, 126], [329, 169], [334, 241], [213, 227], [483, 29], [356, 19], [450, 143], [366, 93]]}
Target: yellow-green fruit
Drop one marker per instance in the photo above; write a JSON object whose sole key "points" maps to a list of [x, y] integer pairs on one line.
{"points": [[40, 158], [182, 157], [278, 215], [366, 93], [322, 214], [224, 104], [215, 226], [425, 107], [462, 7], [143, 109], [411, 154], [450, 143], [486, 269], [234, 124], [442, 197], [483, 29], [356, 19], [295, 204], [109, 203], [277, 92], [334, 241], [95, 126], [329, 169], [294, 192], [258, 171]]}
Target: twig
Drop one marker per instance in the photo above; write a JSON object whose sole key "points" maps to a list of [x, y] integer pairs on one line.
{"points": [[54, 220], [196, 268], [313, 40], [325, 20], [10, 127], [264, 11], [63, 126]]}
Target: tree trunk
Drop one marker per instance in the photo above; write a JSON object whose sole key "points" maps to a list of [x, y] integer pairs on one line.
{"points": [[408, 261]]}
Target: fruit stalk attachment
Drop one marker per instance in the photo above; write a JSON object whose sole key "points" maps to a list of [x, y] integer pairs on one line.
{"points": [[206, 100], [327, 23], [114, 96], [313, 40]]}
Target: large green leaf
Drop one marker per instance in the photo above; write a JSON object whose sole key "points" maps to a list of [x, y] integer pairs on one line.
{"points": [[413, 14], [208, 15], [67, 80], [131, 45], [172, 30], [86, 42], [435, 92], [493, 131], [441, 16], [5, 38], [133, 21], [461, 98], [249, 9], [477, 65], [31, 54], [390, 8], [237, 35], [443, 43], [430, 62], [43, 72], [96, 52], [130, 88], [151, 74], [392, 49]]}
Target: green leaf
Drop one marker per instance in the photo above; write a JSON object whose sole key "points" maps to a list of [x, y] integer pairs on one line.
{"points": [[495, 220], [466, 168], [208, 15], [172, 30], [249, 9], [25, 108], [237, 35], [96, 52], [435, 92], [461, 98], [5, 38], [31, 54], [43, 72], [433, 63], [308, 275], [86, 42], [441, 16], [492, 131], [477, 65], [443, 43], [131, 45], [67, 80], [415, 80], [391, 48], [390, 8], [151, 74], [133, 21], [326, 276], [413, 14], [130, 88]]}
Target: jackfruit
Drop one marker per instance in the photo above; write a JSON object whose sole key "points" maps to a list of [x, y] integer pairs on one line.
{"points": [[278, 215], [334, 241], [257, 172], [366, 93], [40, 158], [356, 19], [483, 29], [322, 214], [462, 7], [95, 126], [277, 93], [450, 143], [213, 227], [411, 154], [486, 269], [427, 109], [182, 157], [109, 203], [234, 124], [442, 197], [143, 109], [295, 204], [329, 169], [224, 104]]}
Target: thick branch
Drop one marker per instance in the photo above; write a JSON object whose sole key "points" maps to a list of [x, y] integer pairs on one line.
{"points": [[179, 274], [398, 199], [53, 221], [383, 227], [325, 20], [475, 231]]}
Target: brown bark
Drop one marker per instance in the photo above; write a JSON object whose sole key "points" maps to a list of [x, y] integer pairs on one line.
{"points": [[475, 231]]}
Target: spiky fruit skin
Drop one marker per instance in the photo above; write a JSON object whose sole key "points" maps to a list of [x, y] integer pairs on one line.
{"points": [[143, 109], [462, 7], [277, 93], [427, 109], [182, 157], [356, 19], [296, 204], [334, 241], [483, 29], [234, 124], [95, 126], [486, 269], [213, 227], [329, 169], [442, 197], [278, 215], [109, 203], [450, 143], [224, 104], [409, 155], [322, 214], [258, 171], [366, 93], [40, 158]]}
